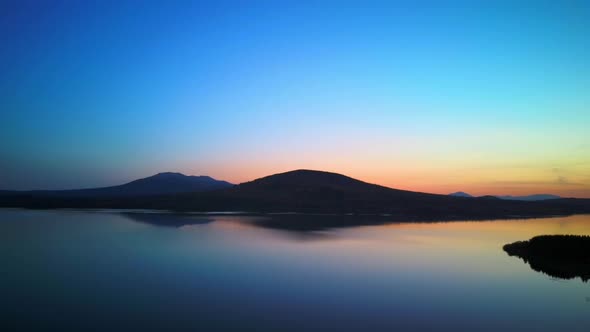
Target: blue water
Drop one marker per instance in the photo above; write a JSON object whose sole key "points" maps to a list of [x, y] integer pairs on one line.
{"points": [[104, 270]]}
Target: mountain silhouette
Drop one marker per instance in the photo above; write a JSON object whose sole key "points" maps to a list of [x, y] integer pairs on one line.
{"points": [[161, 183], [316, 192], [460, 194], [537, 197]]}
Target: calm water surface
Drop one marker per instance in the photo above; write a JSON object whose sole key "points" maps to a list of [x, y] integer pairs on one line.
{"points": [[86, 271]]}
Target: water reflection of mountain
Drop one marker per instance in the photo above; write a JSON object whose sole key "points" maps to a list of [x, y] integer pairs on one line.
{"points": [[559, 256], [167, 219], [311, 222], [300, 223], [304, 225]]}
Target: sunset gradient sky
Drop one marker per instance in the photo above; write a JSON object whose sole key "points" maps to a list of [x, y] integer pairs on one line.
{"points": [[485, 98]]}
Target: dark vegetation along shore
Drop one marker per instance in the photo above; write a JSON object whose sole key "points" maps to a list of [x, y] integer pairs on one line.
{"points": [[559, 256], [304, 191]]}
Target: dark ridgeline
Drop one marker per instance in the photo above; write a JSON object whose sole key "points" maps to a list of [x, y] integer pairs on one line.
{"points": [[537, 197], [167, 183], [559, 256], [161, 183], [306, 191], [460, 194]]}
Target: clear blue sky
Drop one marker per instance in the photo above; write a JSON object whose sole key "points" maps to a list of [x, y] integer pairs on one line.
{"points": [[482, 96]]}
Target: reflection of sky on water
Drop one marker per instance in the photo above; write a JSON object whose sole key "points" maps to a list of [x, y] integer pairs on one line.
{"points": [[230, 272]]}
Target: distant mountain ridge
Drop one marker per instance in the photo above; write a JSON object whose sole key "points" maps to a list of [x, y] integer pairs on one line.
{"points": [[460, 194], [315, 192], [161, 183], [536, 197]]}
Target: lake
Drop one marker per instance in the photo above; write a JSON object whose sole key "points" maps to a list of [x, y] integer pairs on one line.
{"points": [[105, 270]]}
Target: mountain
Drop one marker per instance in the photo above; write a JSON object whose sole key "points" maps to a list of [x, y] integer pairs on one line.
{"points": [[460, 194], [317, 192], [538, 197], [161, 183], [165, 183]]}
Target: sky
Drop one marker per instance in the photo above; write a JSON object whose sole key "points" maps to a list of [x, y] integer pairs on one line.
{"points": [[487, 97]]}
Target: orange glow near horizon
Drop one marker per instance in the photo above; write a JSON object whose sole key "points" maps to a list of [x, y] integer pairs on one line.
{"points": [[435, 177]]}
